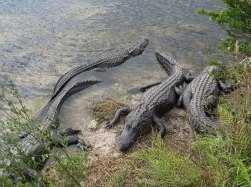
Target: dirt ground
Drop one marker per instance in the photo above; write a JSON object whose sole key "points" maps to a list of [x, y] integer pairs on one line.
{"points": [[107, 161]]}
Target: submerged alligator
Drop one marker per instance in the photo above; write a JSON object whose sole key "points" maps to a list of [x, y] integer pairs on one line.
{"points": [[46, 122], [199, 95], [104, 61], [157, 100]]}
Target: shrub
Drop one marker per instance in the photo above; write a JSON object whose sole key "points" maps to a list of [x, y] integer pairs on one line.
{"points": [[236, 19]]}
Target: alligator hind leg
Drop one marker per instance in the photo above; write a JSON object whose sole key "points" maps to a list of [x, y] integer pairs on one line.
{"points": [[118, 113], [143, 88], [160, 125], [148, 86]]}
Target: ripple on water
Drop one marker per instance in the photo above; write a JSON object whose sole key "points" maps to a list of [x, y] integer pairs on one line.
{"points": [[41, 40]]}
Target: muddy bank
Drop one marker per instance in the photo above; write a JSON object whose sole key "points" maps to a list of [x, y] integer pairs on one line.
{"points": [[107, 161]]}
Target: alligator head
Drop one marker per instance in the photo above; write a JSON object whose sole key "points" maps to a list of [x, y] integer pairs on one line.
{"points": [[138, 48], [136, 124]]}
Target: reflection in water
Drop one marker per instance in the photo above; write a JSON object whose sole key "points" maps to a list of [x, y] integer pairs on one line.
{"points": [[41, 40]]}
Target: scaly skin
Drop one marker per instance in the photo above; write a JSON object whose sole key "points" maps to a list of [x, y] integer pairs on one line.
{"points": [[157, 100], [46, 121], [104, 61], [198, 95]]}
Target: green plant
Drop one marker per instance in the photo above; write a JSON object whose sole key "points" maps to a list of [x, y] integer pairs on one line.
{"points": [[226, 157], [236, 18], [165, 167], [13, 162], [76, 165], [119, 180]]}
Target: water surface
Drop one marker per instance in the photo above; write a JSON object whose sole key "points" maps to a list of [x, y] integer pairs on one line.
{"points": [[42, 39]]}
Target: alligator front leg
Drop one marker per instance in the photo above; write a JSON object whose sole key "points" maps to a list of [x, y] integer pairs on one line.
{"points": [[226, 88], [179, 89], [69, 137], [160, 125], [118, 113], [69, 131], [185, 98], [188, 77]]}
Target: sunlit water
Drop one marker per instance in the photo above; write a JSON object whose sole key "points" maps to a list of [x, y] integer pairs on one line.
{"points": [[42, 39]]}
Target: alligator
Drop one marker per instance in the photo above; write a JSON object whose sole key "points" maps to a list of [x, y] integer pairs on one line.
{"points": [[104, 61], [46, 122], [157, 100], [199, 95]]}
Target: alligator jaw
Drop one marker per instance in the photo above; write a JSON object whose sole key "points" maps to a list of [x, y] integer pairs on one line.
{"points": [[138, 48]]}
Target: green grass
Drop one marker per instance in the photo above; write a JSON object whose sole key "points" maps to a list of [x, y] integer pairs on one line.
{"points": [[226, 157], [222, 160], [119, 179], [166, 167]]}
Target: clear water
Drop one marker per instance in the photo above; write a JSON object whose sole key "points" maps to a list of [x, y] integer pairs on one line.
{"points": [[42, 39]]}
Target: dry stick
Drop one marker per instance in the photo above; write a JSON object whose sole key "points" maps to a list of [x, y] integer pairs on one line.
{"points": [[237, 50]]}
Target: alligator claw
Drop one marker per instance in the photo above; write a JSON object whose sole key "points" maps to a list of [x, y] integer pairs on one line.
{"points": [[84, 146], [109, 124]]}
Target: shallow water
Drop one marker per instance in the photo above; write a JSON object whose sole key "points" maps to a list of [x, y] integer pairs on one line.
{"points": [[42, 39]]}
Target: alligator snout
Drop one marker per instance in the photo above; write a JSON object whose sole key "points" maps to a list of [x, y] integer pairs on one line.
{"points": [[127, 138], [123, 145]]}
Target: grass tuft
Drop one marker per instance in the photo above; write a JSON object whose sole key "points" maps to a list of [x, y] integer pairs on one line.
{"points": [[165, 167]]}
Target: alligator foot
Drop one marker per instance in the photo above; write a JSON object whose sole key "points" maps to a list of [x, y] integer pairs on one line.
{"points": [[160, 126], [118, 113], [226, 88], [69, 131], [179, 89]]}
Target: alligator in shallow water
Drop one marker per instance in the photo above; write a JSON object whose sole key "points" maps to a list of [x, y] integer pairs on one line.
{"points": [[157, 100], [47, 122], [104, 61], [199, 95]]}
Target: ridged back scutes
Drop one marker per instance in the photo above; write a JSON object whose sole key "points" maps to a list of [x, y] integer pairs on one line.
{"points": [[154, 95], [30, 143], [106, 60], [202, 86]]}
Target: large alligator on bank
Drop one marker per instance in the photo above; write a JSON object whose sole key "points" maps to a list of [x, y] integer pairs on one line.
{"points": [[199, 95], [104, 61], [46, 123], [157, 100]]}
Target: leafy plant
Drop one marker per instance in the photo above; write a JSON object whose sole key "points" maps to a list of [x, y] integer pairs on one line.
{"points": [[236, 19], [76, 165], [14, 163]]}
